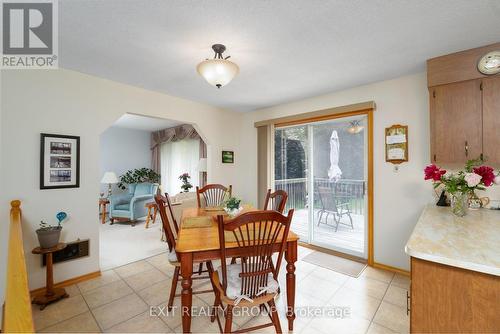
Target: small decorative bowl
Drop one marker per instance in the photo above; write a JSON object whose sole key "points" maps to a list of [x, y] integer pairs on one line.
{"points": [[233, 212]]}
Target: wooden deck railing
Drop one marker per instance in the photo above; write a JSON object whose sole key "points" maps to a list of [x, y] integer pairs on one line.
{"points": [[17, 311]]}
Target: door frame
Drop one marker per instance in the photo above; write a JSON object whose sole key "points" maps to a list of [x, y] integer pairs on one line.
{"points": [[369, 116]]}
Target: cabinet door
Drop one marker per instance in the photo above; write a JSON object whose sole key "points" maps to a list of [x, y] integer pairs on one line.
{"points": [[491, 119], [456, 122]]}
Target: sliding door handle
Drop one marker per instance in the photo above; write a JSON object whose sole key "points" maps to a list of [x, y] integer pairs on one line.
{"points": [[466, 149]]}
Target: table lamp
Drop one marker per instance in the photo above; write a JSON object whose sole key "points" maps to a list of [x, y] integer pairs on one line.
{"points": [[109, 178]]}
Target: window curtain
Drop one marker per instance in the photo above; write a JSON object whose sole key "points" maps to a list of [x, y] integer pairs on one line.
{"points": [[174, 134], [179, 157]]}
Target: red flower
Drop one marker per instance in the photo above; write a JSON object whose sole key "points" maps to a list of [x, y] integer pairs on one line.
{"points": [[486, 173], [433, 172]]}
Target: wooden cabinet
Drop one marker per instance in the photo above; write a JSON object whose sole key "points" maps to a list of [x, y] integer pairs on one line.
{"points": [[445, 299], [464, 108], [456, 122], [491, 119]]}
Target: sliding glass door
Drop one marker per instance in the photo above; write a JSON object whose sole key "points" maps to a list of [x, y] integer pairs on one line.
{"points": [[323, 168]]}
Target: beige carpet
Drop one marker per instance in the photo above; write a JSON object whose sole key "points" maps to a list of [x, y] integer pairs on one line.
{"points": [[335, 263], [121, 243]]}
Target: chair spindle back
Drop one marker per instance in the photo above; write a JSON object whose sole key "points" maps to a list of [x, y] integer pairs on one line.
{"points": [[212, 195], [261, 233], [276, 201]]}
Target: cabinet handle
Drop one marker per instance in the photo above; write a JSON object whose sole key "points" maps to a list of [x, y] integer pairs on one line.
{"points": [[407, 303], [466, 149]]}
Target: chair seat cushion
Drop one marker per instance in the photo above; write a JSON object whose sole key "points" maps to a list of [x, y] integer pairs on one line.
{"points": [[125, 207], [172, 256], [234, 281]]}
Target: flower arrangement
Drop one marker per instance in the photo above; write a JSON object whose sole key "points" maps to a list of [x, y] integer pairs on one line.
{"points": [[462, 184], [232, 206], [186, 185]]}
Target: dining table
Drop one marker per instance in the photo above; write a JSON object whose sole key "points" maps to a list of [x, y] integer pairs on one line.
{"points": [[200, 243]]}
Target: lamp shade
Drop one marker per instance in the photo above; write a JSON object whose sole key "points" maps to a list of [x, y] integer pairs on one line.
{"points": [[218, 72], [109, 177], [202, 165]]}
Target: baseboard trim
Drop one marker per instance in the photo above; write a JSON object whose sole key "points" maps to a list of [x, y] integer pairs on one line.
{"points": [[391, 268], [69, 282]]}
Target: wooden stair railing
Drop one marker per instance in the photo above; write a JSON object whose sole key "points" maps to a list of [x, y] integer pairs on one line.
{"points": [[17, 315]]}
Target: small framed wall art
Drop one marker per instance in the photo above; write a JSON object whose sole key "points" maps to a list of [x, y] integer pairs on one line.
{"points": [[59, 161], [227, 157], [396, 144]]}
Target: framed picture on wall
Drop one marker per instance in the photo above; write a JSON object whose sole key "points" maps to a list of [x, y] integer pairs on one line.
{"points": [[59, 161], [227, 157]]}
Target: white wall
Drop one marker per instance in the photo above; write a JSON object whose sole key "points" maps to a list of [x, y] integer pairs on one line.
{"points": [[122, 149], [398, 197], [67, 102]]}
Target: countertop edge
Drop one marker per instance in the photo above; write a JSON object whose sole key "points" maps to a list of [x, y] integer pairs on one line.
{"points": [[454, 263]]}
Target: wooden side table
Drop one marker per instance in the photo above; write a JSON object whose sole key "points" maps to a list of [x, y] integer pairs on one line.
{"points": [[103, 202], [151, 206], [51, 294]]}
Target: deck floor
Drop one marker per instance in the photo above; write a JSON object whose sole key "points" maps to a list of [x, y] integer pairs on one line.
{"points": [[345, 237]]}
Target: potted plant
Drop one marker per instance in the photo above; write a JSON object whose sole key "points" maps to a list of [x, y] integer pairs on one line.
{"points": [[48, 235], [232, 206], [138, 175], [462, 185], [186, 185]]}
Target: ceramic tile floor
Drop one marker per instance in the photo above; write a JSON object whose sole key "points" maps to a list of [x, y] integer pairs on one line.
{"points": [[121, 301]]}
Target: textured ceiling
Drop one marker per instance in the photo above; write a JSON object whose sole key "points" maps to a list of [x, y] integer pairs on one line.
{"points": [[286, 49]]}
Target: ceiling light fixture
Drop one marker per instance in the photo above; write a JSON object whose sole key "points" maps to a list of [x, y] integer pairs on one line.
{"points": [[489, 63], [218, 71], [355, 127]]}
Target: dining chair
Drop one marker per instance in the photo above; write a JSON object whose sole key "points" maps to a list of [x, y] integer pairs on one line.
{"points": [[275, 201], [212, 195], [162, 202], [254, 281], [171, 210]]}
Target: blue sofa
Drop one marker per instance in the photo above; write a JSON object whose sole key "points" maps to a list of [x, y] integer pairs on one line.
{"points": [[130, 206]]}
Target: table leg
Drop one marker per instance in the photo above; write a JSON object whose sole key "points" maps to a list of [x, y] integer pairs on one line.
{"points": [[291, 258], [50, 276], [103, 216], [155, 211], [187, 293], [148, 217]]}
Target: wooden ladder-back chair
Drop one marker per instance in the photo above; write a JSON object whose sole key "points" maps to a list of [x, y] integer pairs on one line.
{"points": [[162, 202], [276, 201], [254, 281], [212, 195]]}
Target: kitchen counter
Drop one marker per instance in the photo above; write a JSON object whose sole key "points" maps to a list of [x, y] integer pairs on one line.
{"points": [[471, 242]]}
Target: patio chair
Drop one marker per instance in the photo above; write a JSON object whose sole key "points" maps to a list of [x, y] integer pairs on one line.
{"points": [[335, 205]]}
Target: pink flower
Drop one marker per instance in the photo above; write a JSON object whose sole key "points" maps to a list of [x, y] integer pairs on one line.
{"points": [[472, 179], [433, 172], [486, 173]]}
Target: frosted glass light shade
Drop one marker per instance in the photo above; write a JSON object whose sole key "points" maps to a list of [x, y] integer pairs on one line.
{"points": [[218, 72], [109, 177], [202, 165]]}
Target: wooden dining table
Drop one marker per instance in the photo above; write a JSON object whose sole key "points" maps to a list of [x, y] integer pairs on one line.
{"points": [[200, 244]]}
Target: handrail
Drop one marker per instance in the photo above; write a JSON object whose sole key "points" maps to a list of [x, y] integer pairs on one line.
{"points": [[17, 311]]}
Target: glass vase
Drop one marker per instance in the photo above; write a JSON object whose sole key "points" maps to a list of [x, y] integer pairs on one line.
{"points": [[459, 204]]}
